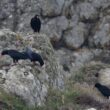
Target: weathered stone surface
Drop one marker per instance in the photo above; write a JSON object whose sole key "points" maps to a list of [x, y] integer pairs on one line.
{"points": [[75, 37], [72, 61], [6, 16], [57, 26], [101, 37], [91, 109], [71, 24], [100, 4], [22, 82], [28, 81], [51, 8], [104, 76], [87, 11], [58, 16]]}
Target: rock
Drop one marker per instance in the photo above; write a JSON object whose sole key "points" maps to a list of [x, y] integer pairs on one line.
{"points": [[49, 56], [73, 61], [87, 11], [22, 82], [57, 26], [101, 37], [72, 24], [72, 37], [26, 10], [60, 17], [51, 8], [91, 109], [29, 82], [100, 4], [104, 76], [68, 9], [6, 16], [7, 35]]}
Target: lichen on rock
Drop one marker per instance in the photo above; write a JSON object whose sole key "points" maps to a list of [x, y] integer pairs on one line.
{"points": [[28, 81]]}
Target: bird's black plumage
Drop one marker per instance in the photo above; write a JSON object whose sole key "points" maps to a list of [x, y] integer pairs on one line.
{"points": [[37, 57], [103, 89], [15, 55], [36, 23], [28, 54], [34, 56]]}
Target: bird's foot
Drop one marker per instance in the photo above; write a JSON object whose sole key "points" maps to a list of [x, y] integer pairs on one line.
{"points": [[43, 67], [12, 64]]}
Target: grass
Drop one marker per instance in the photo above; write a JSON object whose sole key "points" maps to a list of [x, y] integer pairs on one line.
{"points": [[11, 102], [55, 100], [87, 73], [79, 76]]}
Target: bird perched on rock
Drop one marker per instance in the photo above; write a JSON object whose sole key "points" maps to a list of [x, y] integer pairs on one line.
{"points": [[36, 23], [34, 56], [15, 55], [103, 89]]}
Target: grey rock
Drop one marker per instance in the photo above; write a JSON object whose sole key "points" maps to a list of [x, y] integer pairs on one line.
{"points": [[27, 87], [51, 8], [103, 76], [101, 37], [58, 16], [30, 82], [68, 9], [86, 11], [76, 37], [72, 61], [6, 16], [100, 4], [57, 26], [91, 109]]}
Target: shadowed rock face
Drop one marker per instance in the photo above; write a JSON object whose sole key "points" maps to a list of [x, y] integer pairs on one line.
{"points": [[30, 82]]}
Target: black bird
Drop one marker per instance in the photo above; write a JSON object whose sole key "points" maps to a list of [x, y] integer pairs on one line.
{"points": [[36, 23], [15, 55], [103, 89], [34, 56]]}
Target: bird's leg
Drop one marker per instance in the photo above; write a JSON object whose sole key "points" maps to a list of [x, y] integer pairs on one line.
{"points": [[35, 32], [14, 62], [34, 63], [43, 67]]}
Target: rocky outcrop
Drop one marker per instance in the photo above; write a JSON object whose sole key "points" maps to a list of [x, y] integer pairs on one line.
{"points": [[101, 38], [72, 61], [73, 23], [72, 37], [78, 31], [57, 26], [103, 76], [51, 8], [28, 81]]}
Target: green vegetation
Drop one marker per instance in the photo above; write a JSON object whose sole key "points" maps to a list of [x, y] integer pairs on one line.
{"points": [[87, 73], [79, 75], [55, 100], [11, 102]]}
